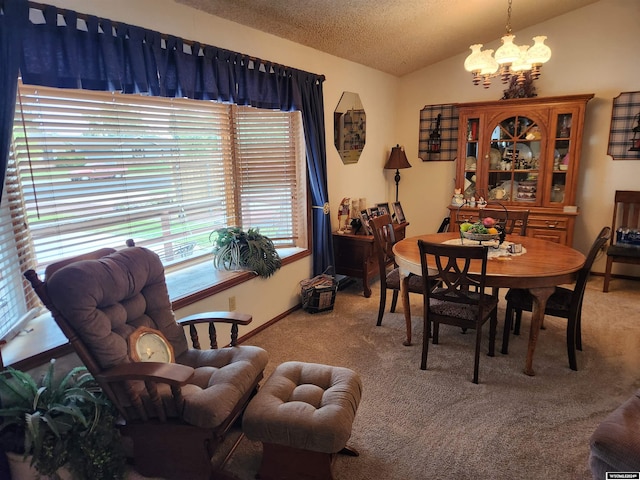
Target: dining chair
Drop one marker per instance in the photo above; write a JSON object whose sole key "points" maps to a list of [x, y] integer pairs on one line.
{"points": [[384, 239], [459, 300], [444, 226], [626, 215], [563, 302], [510, 221]]}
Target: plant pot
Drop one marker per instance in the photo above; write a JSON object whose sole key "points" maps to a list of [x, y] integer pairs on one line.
{"points": [[21, 469]]}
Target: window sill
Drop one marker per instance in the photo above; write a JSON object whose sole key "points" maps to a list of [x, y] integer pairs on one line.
{"points": [[41, 339], [189, 285]]}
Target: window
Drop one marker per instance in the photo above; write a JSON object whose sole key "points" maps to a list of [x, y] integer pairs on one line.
{"points": [[13, 297], [93, 169]]}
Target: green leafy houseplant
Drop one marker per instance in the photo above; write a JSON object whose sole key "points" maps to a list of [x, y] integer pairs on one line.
{"points": [[61, 422], [234, 248]]}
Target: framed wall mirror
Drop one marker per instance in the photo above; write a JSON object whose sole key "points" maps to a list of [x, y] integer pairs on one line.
{"points": [[349, 127]]}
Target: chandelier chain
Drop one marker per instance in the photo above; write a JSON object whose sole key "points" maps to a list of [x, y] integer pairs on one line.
{"points": [[509, 18]]}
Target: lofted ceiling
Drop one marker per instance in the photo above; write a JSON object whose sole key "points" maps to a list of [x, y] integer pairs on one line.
{"points": [[394, 36]]}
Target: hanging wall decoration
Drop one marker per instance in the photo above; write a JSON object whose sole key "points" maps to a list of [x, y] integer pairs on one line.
{"points": [[624, 134], [438, 139]]}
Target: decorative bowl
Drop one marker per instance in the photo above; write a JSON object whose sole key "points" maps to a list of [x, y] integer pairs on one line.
{"points": [[481, 237]]}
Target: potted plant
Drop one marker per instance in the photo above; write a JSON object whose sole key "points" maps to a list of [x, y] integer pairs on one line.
{"points": [[60, 423], [233, 248]]}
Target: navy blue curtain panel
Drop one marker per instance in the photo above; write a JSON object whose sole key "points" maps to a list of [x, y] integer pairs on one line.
{"points": [[312, 117], [70, 50], [14, 16]]}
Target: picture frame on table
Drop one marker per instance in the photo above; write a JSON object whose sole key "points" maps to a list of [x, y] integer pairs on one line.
{"points": [[383, 208], [397, 208], [364, 218], [373, 212]]}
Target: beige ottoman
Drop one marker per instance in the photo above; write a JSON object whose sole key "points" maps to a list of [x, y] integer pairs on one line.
{"points": [[303, 416]]}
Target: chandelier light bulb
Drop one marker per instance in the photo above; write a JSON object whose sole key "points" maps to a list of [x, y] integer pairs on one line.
{"points": [[508, 51], [473, 63], [539, 53], [522, 63], [489, 64], [489, 68]]}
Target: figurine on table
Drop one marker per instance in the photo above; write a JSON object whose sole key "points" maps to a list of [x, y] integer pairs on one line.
{"points": [[343, 211]]}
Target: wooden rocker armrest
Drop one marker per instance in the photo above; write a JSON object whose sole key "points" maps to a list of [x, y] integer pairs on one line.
{"points": [[234, 318], [151, 374], [172, 374], [222, 317]]}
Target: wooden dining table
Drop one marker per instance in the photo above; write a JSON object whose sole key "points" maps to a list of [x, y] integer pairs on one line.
{"points": [[541, 267]]}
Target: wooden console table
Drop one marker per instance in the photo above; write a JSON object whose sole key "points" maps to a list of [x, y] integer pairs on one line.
{"points": [[355, 255]]}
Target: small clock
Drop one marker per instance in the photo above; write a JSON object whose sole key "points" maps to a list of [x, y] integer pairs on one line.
{"points": [[149, 345]]}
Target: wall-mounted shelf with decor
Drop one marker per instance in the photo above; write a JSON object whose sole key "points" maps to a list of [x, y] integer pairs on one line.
{"points": [[447, 131], [625, 127]]}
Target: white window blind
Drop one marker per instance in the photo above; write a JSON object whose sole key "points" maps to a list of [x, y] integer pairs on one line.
{"points": [[267, 176], [93, 169], [13, 300], [97, 169]]}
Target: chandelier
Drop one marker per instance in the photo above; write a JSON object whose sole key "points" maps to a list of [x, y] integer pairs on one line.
{"points": [[510, 60]]}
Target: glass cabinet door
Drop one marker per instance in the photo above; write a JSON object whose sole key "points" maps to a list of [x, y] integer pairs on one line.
{"points": [[472, 189], [561, 157], [515, 153]]}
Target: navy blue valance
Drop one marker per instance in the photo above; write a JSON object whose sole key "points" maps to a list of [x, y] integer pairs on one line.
{"points": [[65, 51]]}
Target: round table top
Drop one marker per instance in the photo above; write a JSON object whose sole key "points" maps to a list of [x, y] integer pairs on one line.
{"points": [[544, 264]]}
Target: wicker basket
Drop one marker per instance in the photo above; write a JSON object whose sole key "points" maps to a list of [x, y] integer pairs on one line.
{"points": [[318, 293]]}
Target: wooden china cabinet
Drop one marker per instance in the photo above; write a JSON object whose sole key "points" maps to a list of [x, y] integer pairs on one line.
{"points": [[524, 154]]}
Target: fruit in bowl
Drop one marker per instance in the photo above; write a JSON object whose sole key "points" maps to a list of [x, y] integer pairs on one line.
{"points": [[480, 230], [465, 226], [489, 222], [477, 227]]}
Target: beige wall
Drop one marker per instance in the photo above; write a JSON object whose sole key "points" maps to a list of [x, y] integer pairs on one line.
{"points": [[594, 51]]}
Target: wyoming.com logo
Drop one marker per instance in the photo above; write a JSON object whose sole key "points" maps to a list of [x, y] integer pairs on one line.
{"points": [[623, 475]]}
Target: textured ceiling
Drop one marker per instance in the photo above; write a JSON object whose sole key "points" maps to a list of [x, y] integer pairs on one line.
{"points": [[394, 36]]}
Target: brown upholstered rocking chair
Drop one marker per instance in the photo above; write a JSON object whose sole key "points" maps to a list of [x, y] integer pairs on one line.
{"points": [[175, 413]]}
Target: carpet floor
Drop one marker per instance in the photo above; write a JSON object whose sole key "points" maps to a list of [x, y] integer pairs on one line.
{"points": [[413, 424]]}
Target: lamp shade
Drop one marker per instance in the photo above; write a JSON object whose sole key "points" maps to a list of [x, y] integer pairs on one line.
{"points": [[474, 63], [397, 159], [508, 52], [539, 53]]}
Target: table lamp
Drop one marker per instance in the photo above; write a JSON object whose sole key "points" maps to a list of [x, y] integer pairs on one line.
{"points": [[397, 160]]}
